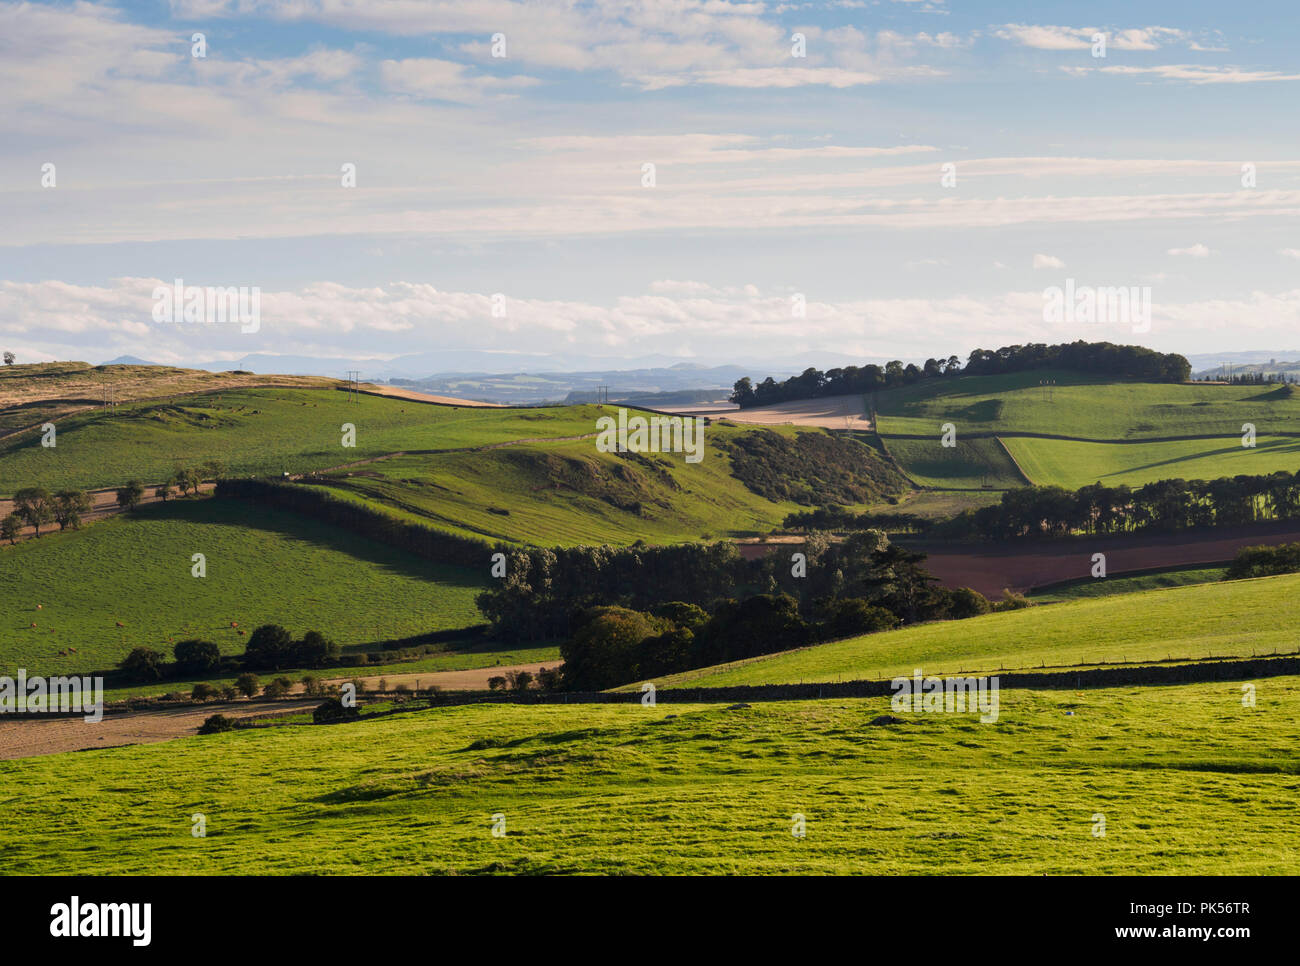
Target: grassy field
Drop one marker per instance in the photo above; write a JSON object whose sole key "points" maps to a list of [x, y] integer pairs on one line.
{"points": [[1073, 464], [262, 432], [1089, 407], [32, 393], [1237, 618], [262, 566], [971, 464], [1092, 587], [567, 494], [1189, 782]]}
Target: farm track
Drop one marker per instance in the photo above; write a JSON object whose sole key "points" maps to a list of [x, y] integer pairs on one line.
{"points": [[53, 735]]}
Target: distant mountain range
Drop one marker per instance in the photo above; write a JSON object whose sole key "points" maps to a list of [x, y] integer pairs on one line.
{"points": [[518, 377]]}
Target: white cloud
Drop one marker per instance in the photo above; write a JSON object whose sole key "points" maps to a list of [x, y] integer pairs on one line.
{"points": [[1044, 37], [54, 319], [1048, 261], [1192, 73], [1192, 251], [447, 81], [1289, 253]]}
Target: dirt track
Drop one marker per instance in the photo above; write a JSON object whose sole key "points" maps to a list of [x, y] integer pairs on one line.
{"points": [[103, 504], [475, 679], [49, 736]]}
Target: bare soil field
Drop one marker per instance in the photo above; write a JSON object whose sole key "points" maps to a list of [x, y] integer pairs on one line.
{"points": [[49, 736], [1024, 567], [829, 412], [400, 392]]}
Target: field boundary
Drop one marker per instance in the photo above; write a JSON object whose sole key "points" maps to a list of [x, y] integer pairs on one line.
{"points": [[1110, 677]]}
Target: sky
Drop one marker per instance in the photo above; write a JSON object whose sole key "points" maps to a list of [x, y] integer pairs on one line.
{"points": [[864, 178]]}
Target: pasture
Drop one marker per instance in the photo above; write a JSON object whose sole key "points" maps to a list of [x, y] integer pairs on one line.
{"points": [[568, 494], [1083, 406], [262, 432], [1188, 780], [973, 464], [263, 566], [1073, 464], [1239, 618]]}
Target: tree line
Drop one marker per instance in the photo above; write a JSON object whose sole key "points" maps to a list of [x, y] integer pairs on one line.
{"points": [[1120, 361], [628, 614], [36, 506], [1164, 505]]}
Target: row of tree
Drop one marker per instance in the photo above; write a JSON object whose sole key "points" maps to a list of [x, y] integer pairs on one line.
{"points": [[613, 645], [1099, 509], [1119, 361], [36, 506], [270, 648]]}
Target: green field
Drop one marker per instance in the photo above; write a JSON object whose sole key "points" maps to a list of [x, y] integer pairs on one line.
{"points": [[1189, 782], [568, 494], [1234, 618], [1074, 464], [1157, 580], [971, 464], [262, 432], [262, 566], [1089, 407]]}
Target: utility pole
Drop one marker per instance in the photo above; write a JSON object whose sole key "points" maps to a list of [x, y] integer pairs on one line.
{"points": [[353, 377]]}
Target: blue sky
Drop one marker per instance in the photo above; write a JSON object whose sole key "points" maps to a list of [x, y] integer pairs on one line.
{"points": [[776, 176]]}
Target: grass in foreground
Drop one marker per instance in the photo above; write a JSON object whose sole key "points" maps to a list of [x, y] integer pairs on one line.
{"points": [[1234, 618], [263, 566], [1189, 781]]}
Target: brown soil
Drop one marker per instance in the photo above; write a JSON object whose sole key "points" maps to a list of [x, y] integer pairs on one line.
{"points": [[48, 736]]}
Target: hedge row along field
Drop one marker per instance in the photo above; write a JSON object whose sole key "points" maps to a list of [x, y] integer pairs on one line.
{"points": [[1236, 618]]}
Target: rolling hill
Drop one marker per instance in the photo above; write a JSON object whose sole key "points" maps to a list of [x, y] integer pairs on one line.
{"points": [[1235, 618]]}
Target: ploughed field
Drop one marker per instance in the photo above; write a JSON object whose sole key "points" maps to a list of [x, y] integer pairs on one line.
{"points": [[1189, 782]]}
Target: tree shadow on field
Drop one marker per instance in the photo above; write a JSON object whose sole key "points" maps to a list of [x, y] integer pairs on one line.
{"points": [[244, 515], [1271, 445]]}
